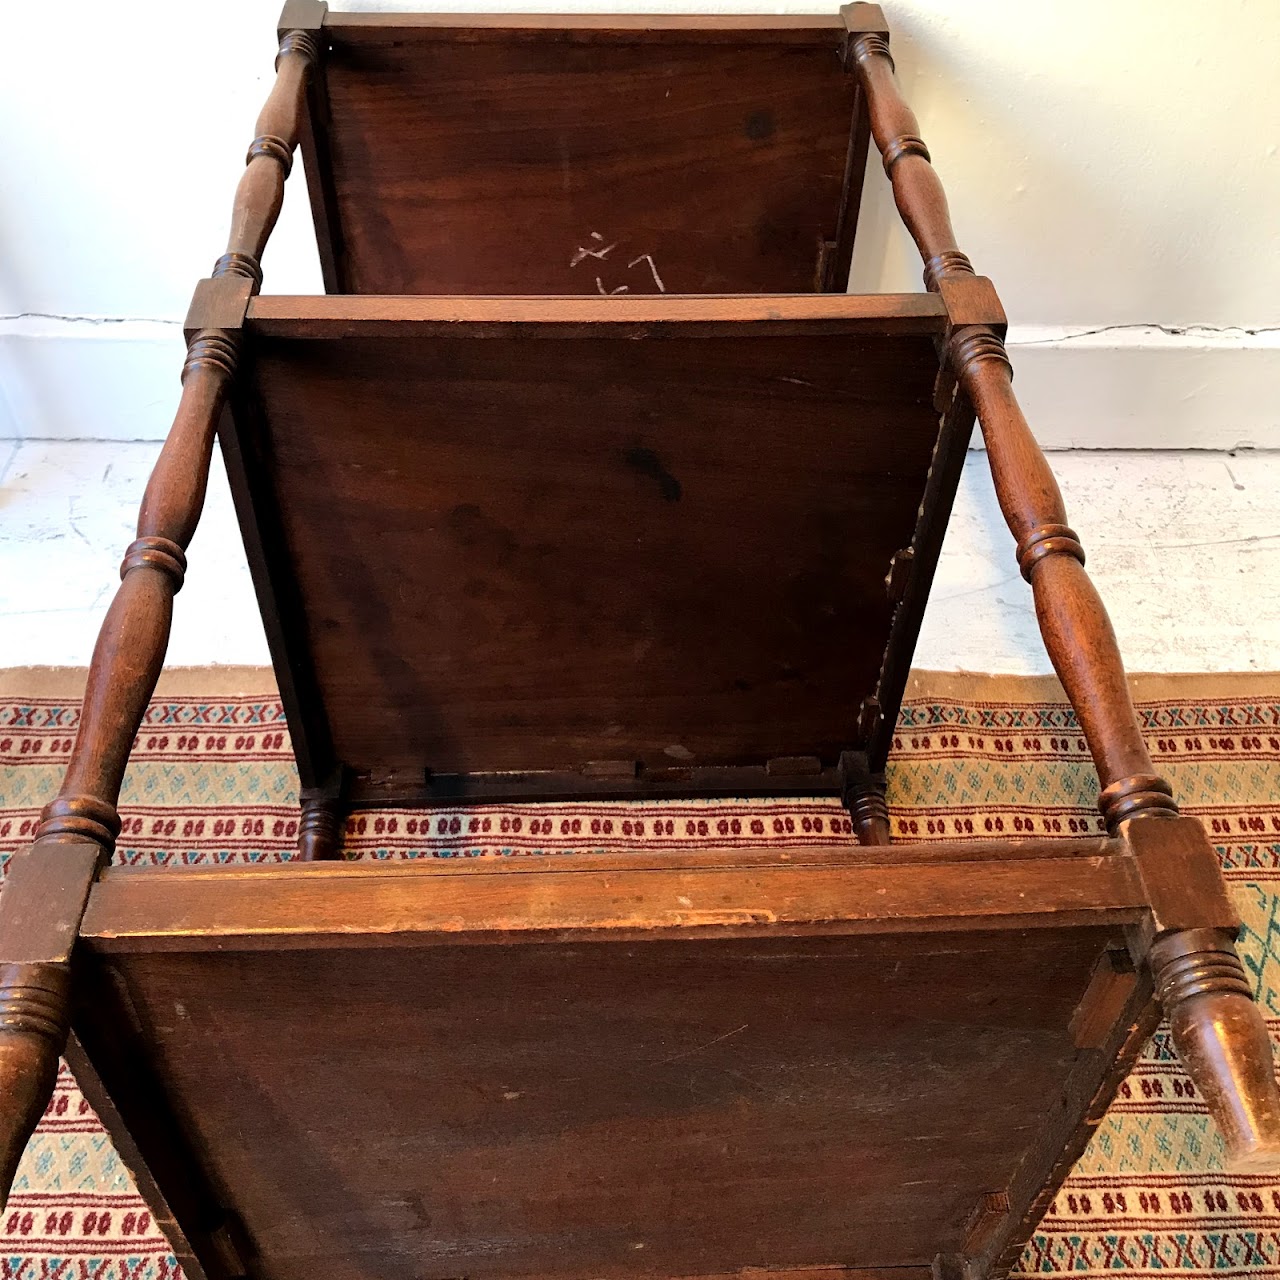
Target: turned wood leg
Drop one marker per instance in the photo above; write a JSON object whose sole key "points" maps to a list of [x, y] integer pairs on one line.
{"points": [[260, 193], [47, 887], [40, 908], [323, 819], [321, 828], [130, 650], [131, 645], [33, 1030], [862, 794], [1217, 1029], [1222, 1040], [867, 806]]}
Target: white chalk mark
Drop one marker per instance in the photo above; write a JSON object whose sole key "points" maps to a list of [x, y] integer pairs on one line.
{"points": [[608, 293], [657, 279], [583, 252]]}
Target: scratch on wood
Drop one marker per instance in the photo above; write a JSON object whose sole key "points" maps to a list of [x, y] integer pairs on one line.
{"points": [[688, 1053]]}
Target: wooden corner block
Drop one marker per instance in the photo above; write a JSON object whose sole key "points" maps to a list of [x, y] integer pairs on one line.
{"points": [[984, 1222], [220, 302], [862, 19], [43, 900], [1181, 874], [972, 300], [301, 15], [1111, 987]]}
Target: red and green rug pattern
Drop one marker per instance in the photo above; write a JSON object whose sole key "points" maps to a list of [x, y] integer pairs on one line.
{"points": [[212, 779]]}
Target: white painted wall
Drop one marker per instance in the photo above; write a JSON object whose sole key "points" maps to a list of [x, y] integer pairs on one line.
{"points": [[1112, 164]]}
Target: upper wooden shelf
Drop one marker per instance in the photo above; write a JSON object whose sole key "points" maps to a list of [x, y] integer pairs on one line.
{"points": [[587, 154]]}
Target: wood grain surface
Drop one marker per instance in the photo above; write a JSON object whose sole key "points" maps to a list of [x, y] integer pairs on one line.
{"points": [[586, 155], [565, 541], [600, 1110]]}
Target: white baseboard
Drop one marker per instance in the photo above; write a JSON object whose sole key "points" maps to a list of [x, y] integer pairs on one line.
{"points": [[1127, 387], [1143, 387], [64, 379]]}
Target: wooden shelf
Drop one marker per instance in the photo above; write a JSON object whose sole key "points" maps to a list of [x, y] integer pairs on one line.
{"points": [[584, 154], [543, 547]]}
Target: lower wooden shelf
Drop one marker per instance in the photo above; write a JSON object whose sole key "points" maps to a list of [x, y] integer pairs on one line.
{"points": [[615, 1065]]}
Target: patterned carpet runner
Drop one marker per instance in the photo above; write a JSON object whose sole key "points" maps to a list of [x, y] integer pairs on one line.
{"points": [[212, 779]]}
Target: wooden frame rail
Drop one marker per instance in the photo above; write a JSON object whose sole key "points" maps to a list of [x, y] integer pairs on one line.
{"points": [[45, 897], [131, 645], [1128, 886], [725, 892], [1170, 891], [1218, 1030]]}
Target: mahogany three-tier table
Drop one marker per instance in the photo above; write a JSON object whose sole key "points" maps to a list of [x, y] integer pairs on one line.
{"points": [[587, 479]]}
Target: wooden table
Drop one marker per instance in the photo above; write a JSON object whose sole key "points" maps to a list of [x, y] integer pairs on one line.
{"points": [[586, 479]]}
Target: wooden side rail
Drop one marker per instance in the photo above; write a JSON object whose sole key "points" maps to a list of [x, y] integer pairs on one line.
{"points": [[1218, 1030], [1073, 619], [44, 898], [131, 645], [79, 826], [260, 192]]}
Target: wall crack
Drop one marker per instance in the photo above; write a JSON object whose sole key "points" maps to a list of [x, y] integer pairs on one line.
{"points": [[71, 319]]}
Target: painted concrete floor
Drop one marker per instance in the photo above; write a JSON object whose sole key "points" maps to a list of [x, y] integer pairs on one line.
{"points": [[1185, 548]]}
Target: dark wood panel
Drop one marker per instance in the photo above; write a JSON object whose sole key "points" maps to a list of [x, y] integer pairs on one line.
{"points": [[593, 552], [926, 547], [281, 611], [460, 156], [656, 1109], [166, 1173], [605, 780]]}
